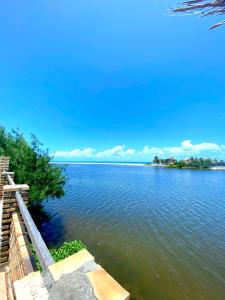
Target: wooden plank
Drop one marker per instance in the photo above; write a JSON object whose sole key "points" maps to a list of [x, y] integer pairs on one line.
{"points": [[2, 265], [6, 201], [6, 221], [3, 259], [5, 248], [5, 253], [5, 238], [11, 209], [5, 216], [5, 243], [5, 227], [6, 206], [5, 232]]}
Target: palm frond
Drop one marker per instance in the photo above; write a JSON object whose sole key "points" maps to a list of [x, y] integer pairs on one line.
{"points": [[202, 7]]}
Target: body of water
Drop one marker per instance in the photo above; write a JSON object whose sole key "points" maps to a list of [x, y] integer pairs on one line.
{"points": [[159, 232]]}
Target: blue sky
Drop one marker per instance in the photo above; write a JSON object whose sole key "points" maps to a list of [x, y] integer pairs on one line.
{"points": [[112, 80]]}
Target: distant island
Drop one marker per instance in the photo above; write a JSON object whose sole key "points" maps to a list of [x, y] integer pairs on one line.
{"points": [[188, 163]]}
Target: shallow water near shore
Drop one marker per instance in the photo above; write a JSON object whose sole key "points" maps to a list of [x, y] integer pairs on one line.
{"points": [[159, 232]]}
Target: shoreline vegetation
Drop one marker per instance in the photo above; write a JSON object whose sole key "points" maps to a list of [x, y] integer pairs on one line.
{"points": [[188, 163]]}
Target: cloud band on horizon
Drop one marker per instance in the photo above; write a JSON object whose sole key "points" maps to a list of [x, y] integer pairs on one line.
{"points": [[120, 152]]}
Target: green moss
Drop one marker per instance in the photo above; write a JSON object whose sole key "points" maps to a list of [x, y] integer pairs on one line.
{"points": [[67, 249]]}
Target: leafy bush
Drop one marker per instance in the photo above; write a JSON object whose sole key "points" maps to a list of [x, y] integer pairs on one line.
{"points": [[67, 249], [32, 165]]}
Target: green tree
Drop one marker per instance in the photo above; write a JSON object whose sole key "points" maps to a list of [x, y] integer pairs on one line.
{"points": [[180, 164], [32, 165], [156, 160], [203, 8]]}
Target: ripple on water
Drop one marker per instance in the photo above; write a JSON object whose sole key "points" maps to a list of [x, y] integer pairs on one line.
{"points": [[159, 232]]}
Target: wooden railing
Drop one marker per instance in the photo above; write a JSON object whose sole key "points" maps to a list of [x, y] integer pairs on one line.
{"points": [[39, 245]]}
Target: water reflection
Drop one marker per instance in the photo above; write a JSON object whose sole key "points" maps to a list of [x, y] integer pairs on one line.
{"points": [[159, 232]]}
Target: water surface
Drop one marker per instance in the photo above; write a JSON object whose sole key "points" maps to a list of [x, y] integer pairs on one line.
{"points": [[159, 232]]}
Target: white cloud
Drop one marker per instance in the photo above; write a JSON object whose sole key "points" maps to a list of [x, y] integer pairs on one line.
{"points": [[120, 152], [86, 152], [186, 148], [152, 150], [200, 147]]}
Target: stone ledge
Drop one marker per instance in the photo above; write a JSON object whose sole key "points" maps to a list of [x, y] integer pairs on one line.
{"points": [[76, 277], [70, 264], [75, 286], [31, 287], [3, 292], [105, 287]]}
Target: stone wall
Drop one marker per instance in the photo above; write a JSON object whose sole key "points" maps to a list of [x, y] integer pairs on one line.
{"points": [[10, 206], [9, 213], [4, 210], [20, 260], [4, 165]]}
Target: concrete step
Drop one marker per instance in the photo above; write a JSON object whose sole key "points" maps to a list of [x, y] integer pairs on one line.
{"points": [[3, 289]]}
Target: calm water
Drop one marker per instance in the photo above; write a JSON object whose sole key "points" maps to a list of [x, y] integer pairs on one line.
{"points": [[160, 233]]}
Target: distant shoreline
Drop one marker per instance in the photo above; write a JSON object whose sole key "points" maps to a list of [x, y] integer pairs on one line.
{"points": [[218, 168], [98, 163], [133, 164], [186, 168]]}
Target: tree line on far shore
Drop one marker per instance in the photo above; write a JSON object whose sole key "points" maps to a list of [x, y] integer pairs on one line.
{"points": [[192, 162]]}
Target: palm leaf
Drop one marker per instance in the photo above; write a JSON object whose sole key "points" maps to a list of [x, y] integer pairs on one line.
{"points": [[202, 7]]}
